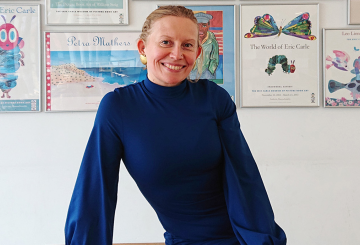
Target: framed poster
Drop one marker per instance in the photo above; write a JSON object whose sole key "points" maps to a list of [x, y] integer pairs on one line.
{"points": [[341, 69], [20, 58], [82, 67], [178, 0], [87, 12], [279, 55], [217, 36], [353, 12]]}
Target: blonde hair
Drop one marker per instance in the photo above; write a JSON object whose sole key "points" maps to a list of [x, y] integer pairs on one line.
{"points": [[171, 10]]}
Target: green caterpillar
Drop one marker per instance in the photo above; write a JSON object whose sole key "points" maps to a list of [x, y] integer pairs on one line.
{"points": [[283, 61]]}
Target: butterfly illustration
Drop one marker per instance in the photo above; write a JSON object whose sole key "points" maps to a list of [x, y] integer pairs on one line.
{"points": [[265, 26]]}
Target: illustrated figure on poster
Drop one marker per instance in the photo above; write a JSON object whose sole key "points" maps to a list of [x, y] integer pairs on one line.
{"points": [[210, 48], [356, 69], [265, 26], [340, 61], [11, 57], [353, 86], [283, 61]]}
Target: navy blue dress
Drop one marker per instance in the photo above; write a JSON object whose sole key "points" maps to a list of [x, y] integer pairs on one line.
{"points": [[184, 148]]}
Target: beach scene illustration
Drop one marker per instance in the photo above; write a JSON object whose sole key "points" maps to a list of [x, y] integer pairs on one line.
{"points": [[79, 79]]}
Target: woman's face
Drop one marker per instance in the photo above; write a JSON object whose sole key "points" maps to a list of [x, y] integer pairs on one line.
{"points": [[171, 50]]}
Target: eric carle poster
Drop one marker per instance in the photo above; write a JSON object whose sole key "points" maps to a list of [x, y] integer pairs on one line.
{"points": [[19, 58], [341, 66], [216, 34], [82, 67], [279, 55]]}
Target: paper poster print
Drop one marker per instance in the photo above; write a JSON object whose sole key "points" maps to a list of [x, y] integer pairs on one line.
{"points": [[216, 34], [210, 35], [87, 12], [279, 55], [18, 57], [82, 67], [342, 68]]}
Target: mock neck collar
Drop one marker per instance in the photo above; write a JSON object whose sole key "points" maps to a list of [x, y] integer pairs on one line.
{"points": [[165, 92]]}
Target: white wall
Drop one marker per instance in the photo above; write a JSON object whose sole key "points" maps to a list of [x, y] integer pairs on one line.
{"points": [[308, 157]]}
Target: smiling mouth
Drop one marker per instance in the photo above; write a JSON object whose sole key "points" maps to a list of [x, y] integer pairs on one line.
{"points": [[172, 67]]}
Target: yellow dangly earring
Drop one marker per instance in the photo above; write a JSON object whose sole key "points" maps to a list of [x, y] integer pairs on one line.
{"points": [[143, 59]]}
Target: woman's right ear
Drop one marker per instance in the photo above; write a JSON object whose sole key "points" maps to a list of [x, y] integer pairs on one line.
{"points": [[141, 46]]}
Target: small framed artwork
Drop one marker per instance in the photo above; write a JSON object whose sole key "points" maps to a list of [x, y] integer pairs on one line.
{"points": [[82, 67], [353, 12], [217, 36], [279, 55], [87, 12], [341, 61], [20, 58]]}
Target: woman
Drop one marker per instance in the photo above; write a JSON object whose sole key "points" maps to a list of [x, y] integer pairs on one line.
{"points": [[182, 144]]}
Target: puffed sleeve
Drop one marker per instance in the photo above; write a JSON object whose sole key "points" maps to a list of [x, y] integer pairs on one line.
{"points": [[248, 205], [90, 218]]}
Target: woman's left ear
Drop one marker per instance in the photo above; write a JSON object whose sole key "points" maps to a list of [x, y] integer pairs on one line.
{"points": [[198, 52]]}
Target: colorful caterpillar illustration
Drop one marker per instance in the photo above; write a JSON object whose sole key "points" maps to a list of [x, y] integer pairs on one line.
{"points": [[283, 61], [11, 57]]}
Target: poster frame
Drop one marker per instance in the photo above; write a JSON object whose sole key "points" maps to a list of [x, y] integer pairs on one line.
{"points": [[35, 104], [328, 101], [314, 102], [47, 69], [349, 13]]}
